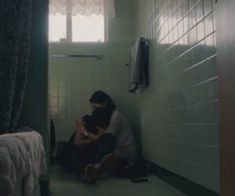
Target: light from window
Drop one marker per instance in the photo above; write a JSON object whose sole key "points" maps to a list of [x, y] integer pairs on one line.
{"points": [[57, 27], [88, 28], [81, 28]]}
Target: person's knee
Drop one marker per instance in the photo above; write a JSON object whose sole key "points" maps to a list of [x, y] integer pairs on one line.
{"points": [[105, 145]]}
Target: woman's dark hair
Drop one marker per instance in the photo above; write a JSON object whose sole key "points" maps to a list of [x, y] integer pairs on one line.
{"points": [[89, 123], [102, 117], [101, 98]]}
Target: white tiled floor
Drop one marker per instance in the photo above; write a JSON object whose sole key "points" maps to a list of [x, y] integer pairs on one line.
{"points": [[64, 184]]}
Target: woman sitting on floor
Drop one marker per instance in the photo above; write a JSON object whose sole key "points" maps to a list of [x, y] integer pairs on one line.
{"points": [[116, 144]]}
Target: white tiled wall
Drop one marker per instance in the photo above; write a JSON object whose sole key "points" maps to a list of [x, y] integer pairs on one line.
{"points": [[179, 113]]}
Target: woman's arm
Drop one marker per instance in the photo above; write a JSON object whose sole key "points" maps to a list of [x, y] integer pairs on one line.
{"points": [[115, 123], [83, 137], [94, 137]]}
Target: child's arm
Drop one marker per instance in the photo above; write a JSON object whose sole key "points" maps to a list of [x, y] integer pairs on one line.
{"points": [[81, 139], [95, 137]]}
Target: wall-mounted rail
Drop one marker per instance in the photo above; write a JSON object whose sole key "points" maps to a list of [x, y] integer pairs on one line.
{"points": [[98, 57]]}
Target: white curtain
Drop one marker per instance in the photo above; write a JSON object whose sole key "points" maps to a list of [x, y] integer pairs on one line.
{"points": [[83, 7]]}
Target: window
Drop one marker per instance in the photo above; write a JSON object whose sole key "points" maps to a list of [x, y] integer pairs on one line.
{"points": [[57, 27], [90, 29], [76, 21]]}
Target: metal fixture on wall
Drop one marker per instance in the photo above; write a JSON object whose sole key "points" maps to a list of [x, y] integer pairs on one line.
{"points": [[97, 56]]}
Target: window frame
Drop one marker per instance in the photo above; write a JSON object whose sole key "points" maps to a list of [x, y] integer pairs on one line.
{"points": [[69, 27]]}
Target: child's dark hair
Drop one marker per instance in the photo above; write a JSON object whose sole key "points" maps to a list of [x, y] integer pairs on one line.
{"points": [[101, 98], [102, 117], [89, 123]]}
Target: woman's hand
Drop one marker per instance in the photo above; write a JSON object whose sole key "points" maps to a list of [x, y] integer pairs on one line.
{"points": [[101, 130]]}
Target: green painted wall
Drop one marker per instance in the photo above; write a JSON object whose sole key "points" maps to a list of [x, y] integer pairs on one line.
{"points": [[178, 112]]}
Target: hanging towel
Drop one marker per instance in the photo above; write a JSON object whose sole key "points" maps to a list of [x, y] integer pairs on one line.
{"points": [[139, 65]]}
